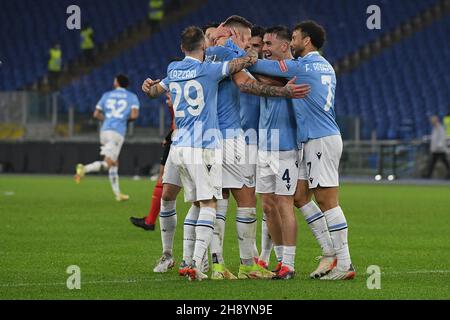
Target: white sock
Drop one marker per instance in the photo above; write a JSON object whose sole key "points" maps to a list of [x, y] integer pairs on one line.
{"points": [[114, 179], [204, 233], [216, 246], [318, 225], [168, 224], [189, 234], [255, 247], [337, 225], [289, 256], [246, 228], [278, 252], [266, 241], [95, 166]]}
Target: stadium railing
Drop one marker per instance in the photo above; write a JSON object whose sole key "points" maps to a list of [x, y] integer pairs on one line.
{"points": [[34, 116]]}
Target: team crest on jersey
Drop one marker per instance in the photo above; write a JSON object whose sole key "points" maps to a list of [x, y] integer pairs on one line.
{"points": [[283, 66]]}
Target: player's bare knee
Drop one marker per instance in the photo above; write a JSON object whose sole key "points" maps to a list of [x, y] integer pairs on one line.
{"points": [[303, 195], [208, 203], [170, 192], [110, 162], [245, 197], [301, 201], [268, 206], [326, 204], [268, 209]]}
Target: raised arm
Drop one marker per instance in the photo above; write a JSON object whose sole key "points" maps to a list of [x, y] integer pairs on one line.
{"points": [[290, 90], [153, 88]]}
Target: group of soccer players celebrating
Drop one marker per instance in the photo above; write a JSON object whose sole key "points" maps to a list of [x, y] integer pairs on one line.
{"points": [[254, 114]]}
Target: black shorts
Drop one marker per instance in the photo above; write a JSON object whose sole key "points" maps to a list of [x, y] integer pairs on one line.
{"points": [[166, 148]]}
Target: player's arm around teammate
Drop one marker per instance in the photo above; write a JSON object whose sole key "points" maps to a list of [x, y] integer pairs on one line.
{"points": [[322, 140]]}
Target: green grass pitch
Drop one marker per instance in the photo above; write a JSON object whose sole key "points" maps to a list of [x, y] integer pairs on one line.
{"points": [[50, 223]]}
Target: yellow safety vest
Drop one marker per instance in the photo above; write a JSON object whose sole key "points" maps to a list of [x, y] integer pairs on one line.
{"points": [[86, 39], [54, 64], [156, 10], [447, 124]]}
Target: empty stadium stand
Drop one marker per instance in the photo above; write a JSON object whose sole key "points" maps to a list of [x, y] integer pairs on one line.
{"points": [[25, 55], [392, 93]]}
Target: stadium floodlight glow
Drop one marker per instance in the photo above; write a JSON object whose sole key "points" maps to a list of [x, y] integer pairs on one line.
{"points": [[391, 177], [378, 177]]}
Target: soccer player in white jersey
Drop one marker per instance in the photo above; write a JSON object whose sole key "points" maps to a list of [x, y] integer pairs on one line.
{"points": [[115, 109], [197, 146], [318, 130]]}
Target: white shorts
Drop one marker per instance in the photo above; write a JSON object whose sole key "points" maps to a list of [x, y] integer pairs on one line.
{"points": [[277, 172], [237, 168], [171, 172], [111, 144], [320, 165], [200, 172]]}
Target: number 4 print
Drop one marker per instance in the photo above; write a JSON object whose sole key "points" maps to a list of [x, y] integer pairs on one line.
{"points": [[286, 176]]}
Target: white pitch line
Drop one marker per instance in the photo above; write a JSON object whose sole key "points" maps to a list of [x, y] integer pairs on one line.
{"points": [[17, 285]]}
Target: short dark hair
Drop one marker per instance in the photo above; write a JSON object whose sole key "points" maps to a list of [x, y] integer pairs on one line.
{"points": [[258, 31], [313, 30], [123, 80], [237, 21], [192, 38], [282, 32], [210, 25]]}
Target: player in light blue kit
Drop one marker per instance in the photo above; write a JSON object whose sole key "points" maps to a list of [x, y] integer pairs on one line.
{"points": [[318, 130], [277, 170], [197, 146], [249, 114], [115, 109], [238, 174]]}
